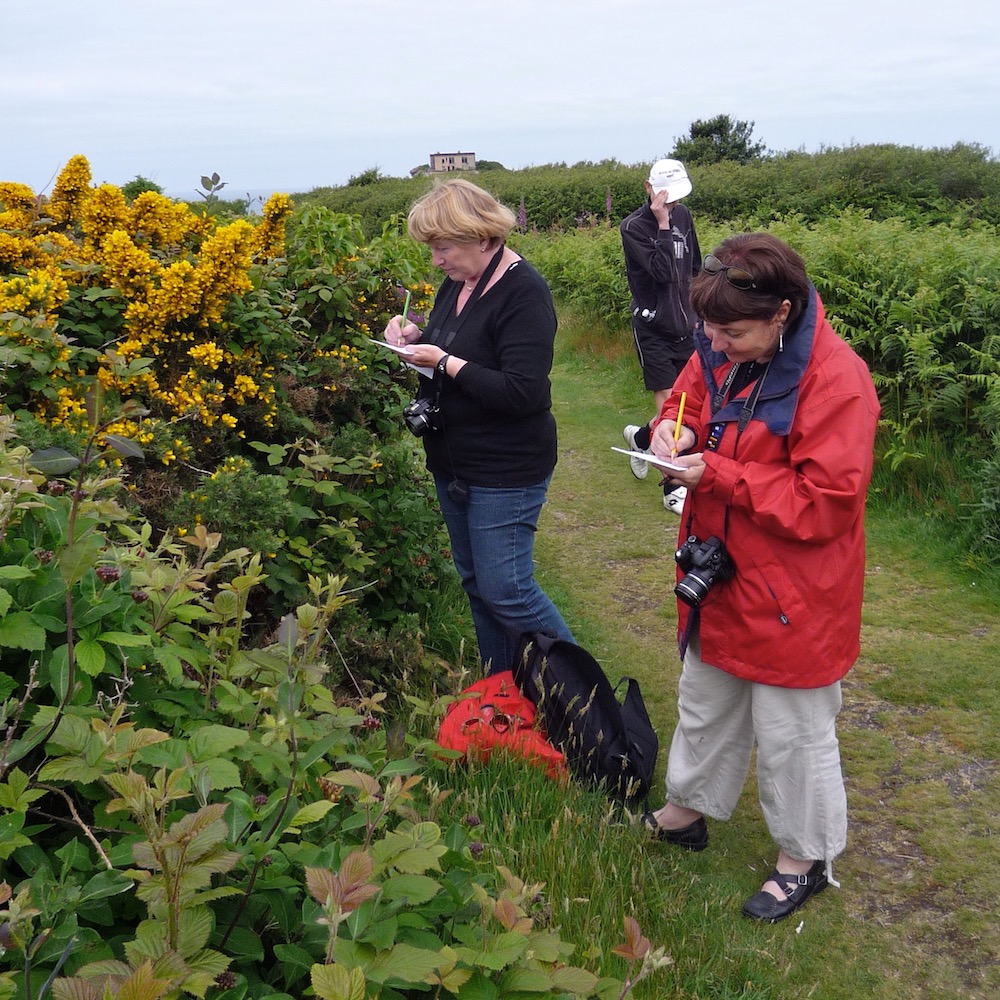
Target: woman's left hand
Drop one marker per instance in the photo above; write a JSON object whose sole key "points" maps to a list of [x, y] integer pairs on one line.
{"points": [[425, 355], [693, 465]]}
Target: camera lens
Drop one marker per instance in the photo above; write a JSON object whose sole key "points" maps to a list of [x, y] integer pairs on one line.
{"points": [[692, 590], [420, 416]]}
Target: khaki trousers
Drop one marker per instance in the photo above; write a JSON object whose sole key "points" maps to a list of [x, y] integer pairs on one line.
{"points": [[799, 778]]}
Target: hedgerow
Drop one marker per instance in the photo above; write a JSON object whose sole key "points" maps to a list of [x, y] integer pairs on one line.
{"points": [[930, 185], [919, 303]]}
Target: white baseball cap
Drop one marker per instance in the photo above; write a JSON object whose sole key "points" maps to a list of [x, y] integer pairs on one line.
{"points": [[670, 175]]}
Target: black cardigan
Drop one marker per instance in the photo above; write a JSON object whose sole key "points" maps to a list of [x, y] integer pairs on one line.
{"points": [[496, 421]]}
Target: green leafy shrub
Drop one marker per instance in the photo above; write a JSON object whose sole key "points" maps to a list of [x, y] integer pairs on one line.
{"points": [[257, 833], [135, 187], [238, 501]]}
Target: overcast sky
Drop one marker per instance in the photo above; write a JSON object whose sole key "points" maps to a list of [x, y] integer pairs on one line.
{"points": [[296, 94]]}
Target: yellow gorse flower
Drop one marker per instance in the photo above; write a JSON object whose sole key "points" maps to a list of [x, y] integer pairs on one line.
{"points": [[158, 221], [269, 235], [41, 290], [207, 354], [126, 267], [18, 205], [17, 253], [103, 212], [70, 190]]}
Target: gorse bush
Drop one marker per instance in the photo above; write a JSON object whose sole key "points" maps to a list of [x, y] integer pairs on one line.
{"points": [[226, 360]]}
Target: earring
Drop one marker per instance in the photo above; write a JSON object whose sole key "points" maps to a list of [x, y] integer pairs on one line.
{"points": [[781, 340]]}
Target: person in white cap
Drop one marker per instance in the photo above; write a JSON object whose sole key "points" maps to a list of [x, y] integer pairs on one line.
{"points": [[661, 258]]}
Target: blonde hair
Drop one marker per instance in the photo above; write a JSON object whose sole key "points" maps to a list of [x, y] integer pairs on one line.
{"points": [[458, 211]]}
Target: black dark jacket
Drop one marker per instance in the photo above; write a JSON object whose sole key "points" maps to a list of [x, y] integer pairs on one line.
{"points": [[497, 427], [660, 264]]}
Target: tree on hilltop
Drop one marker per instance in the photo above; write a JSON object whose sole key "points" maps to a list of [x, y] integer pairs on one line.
{"points": [[132, 189], [370, 176], [717, 139]]}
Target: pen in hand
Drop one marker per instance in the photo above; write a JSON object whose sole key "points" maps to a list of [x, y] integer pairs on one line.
{"points": [[402, 320], [677, 425]]}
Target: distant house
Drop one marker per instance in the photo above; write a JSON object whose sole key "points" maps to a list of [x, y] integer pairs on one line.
{"points": [[444, 162]]}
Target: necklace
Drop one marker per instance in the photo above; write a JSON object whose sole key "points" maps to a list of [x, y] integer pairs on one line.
{"points": [[471, 283]]}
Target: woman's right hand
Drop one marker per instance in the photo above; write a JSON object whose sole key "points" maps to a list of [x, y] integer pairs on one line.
{"points": [[401, 333], [663, 444]]}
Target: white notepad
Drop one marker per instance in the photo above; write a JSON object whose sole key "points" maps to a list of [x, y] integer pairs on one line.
{"points": [[392, 347], [646, 456]]}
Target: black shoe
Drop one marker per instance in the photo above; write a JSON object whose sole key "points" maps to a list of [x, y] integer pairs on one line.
{"points": [[693, 837], [798, 888]]}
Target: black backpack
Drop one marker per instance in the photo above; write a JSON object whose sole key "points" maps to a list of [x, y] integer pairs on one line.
{"points": [[606, 742]]}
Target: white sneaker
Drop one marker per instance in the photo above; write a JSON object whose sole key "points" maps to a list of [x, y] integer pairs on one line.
{"points": [[640, 469], [674, 500]]}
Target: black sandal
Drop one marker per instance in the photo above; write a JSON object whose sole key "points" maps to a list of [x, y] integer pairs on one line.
{"points": [[797, 889], [693, 837]]}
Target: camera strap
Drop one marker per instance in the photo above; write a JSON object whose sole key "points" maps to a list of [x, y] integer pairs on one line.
{"points": [[457, 321], [458, 490], [738, 377], [721, 396]]}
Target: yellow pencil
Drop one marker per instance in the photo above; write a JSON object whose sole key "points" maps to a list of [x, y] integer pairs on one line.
{"points": [[677, 425]]}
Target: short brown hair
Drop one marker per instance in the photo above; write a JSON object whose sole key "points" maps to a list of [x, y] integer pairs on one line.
{"points": [[778, 272], [459, 211]]}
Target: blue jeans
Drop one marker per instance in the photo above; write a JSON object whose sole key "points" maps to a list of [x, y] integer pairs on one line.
{"points": [[492, 535]]}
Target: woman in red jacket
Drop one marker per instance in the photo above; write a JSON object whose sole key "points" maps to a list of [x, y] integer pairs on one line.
{"points": [[776, 450]]}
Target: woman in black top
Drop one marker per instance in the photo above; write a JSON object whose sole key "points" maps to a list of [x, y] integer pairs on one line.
{"points": [[490, 437]]}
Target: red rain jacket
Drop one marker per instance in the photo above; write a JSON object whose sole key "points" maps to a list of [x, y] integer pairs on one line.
{"points": [[787, 496]]}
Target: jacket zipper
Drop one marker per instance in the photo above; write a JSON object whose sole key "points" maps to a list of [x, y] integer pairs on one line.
{"points": [[782, 617]]}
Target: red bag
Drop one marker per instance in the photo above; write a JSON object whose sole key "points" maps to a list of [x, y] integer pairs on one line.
{"points": [[493, 713]]}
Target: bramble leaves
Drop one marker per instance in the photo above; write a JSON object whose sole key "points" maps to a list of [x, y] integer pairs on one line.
{"points": [[54, 461]]}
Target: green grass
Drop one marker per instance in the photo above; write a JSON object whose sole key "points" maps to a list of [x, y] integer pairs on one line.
{"points": [[917, 913]]}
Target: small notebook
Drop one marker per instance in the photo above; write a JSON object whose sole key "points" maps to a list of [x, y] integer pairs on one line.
{"points": [[646, 456]]}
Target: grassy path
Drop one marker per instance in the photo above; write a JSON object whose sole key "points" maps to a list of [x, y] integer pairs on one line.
{"points": [[918, 914]]}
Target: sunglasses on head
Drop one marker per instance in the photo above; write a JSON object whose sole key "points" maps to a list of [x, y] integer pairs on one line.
{"points": [[736, 276]]}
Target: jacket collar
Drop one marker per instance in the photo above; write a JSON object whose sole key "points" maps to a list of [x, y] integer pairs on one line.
{"points": [[779, 395]]}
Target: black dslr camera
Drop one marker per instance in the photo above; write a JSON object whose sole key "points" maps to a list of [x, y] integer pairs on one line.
{"points": [[421, 415], [705, 564]]}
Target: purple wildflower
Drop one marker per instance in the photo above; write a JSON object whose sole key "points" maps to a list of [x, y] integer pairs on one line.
{"points": [[522, 217]]}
